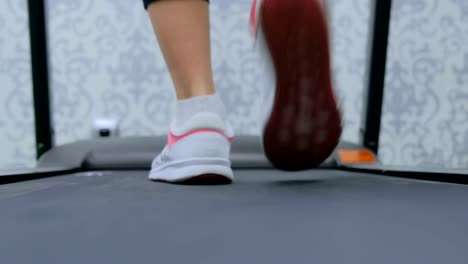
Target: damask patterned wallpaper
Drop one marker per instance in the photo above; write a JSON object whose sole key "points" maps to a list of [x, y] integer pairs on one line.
{"points": [[105, 62], [16, 114], [425, 119]]}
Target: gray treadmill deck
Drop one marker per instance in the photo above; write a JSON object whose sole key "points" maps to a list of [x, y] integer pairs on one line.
{"points": [[266, 216]]}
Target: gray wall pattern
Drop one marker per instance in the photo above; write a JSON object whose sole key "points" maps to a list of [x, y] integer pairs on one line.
{"points": [[16, 116], [105, 62], [425, 119]]}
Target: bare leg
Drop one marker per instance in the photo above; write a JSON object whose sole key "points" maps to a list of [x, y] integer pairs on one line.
{"points": [[199, 136], [182, 30]]}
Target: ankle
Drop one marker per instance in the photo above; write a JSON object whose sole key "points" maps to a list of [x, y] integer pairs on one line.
{"points": [[193, 93], [194, 88]]}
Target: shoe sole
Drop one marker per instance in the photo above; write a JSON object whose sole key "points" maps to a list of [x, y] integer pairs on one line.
{"points": [[205, 179], [305, 124], [206, 172]]}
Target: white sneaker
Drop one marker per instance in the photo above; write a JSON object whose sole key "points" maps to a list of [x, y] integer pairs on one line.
{"points": [[196, 153], [303, 123]]}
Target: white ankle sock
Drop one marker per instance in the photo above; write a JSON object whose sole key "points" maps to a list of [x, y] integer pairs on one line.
{"points": [[187, 108]]}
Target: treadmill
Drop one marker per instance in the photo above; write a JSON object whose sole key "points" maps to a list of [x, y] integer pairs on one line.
{"points": [[91, 201]]}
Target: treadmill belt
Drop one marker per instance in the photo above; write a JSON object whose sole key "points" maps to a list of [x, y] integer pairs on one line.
{"points": [[266, 216]]}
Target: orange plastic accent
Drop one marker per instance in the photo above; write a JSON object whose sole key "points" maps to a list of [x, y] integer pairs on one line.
{"points": [[356, 156]]}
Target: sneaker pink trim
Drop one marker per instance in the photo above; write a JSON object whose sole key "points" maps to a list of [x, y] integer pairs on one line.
{"points": [[254, 19], [172, 139]]}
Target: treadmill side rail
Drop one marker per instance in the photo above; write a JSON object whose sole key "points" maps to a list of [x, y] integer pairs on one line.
{"points": [[13, 176]]}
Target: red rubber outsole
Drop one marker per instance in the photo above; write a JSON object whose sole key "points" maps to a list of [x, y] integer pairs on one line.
{"points": [[305, 124], [205, 179]]}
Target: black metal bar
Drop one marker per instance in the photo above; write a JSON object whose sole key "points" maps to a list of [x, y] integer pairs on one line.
{"points": [[460, 177], [14, 177], [40, 75], [376, 73]]}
